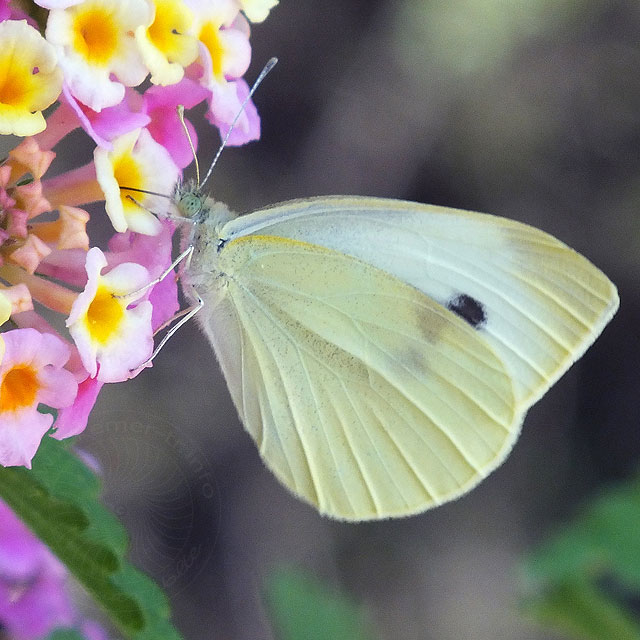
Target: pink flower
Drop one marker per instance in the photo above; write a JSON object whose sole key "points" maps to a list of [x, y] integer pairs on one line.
{"points": [[33, 600], [103, 126], [95, 52], [154, 253], [113, 337], [247, 128], [160, 104], [155, 109], [33, 594], [31, 373], [73, 420]]}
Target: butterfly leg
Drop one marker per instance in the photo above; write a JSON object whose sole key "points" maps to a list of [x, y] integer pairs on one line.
{"points": [[185, 254], [184, 316]]}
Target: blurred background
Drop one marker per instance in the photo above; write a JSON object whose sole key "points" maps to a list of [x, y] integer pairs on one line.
{"points": [[529, 109]]}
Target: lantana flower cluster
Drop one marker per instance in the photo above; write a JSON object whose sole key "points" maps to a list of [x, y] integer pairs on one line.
{"points": [[117, 69], [74, 316]]}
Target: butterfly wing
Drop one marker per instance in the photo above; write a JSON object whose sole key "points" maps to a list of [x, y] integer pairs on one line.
{"points": [[535, 301], [365, 397]]}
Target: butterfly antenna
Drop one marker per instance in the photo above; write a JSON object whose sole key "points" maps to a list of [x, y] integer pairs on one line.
{"points": [[180, 109], [262, 75], [150, 193]]}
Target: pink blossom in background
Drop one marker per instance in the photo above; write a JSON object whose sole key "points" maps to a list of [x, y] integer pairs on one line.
{"points": [[73, 420], [160, 104], [247, 128], [103, 126], [33, 599], [33, 586]]}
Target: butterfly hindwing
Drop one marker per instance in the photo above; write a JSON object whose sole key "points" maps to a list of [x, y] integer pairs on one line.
{"points": [[365, 396]]}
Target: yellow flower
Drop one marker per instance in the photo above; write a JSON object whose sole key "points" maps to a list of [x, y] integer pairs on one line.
{"points": [[30, 79], [137, 161], [168, 44], [113, 335]]}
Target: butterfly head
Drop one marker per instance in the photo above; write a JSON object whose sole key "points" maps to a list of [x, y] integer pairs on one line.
{"points": [[195, 206], [190, 201]]}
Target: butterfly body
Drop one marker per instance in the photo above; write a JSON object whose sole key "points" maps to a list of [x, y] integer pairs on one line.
{"points": [[382, 354]]}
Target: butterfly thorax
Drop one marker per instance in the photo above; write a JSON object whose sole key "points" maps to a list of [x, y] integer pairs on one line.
{"points": [[207, 217]]}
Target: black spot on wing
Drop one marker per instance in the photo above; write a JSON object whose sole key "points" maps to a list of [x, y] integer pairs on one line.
{"points": [[469, 309]]}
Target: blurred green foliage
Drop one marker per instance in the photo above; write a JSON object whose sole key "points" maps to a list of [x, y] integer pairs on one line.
{"points": [[58, 500], [585, 579], [302, 608]]}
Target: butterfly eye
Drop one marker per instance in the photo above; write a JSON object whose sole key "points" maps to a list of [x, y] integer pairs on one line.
{"points": [[190, 205]]}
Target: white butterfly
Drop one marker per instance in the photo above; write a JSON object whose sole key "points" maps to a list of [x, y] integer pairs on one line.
{"points": [[382, 354]]}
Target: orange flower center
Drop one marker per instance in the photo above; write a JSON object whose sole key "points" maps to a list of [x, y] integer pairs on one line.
{"points": [[168, 26], [126, 171], [104, 315], [15, 82], [19, 388], [96, 35]]}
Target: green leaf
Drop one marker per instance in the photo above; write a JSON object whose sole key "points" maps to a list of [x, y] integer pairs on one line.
{"points": [[58, 501], [302, 608], [566, 577], [65, 634], [583, 611]]}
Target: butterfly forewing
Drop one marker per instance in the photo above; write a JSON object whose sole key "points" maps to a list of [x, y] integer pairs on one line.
{"points": [[365, 396], [535, 301]]}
